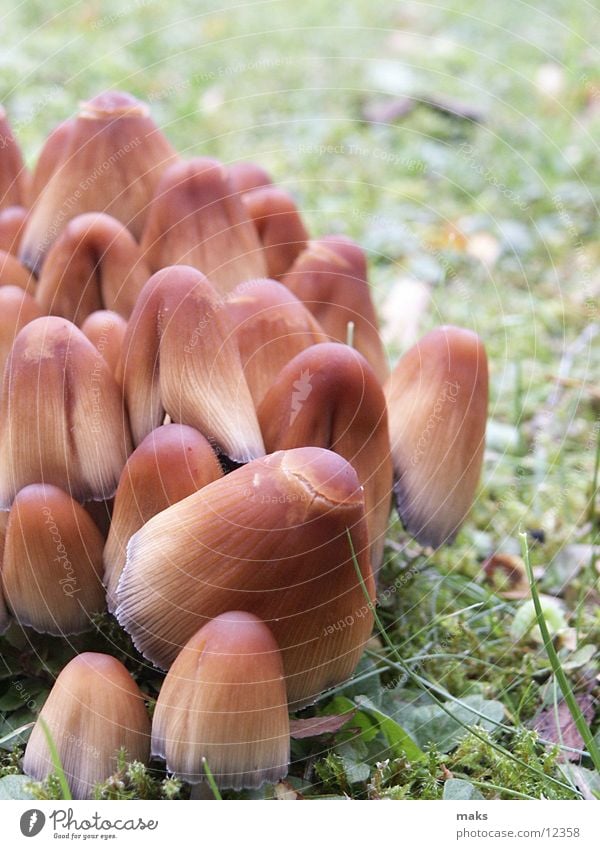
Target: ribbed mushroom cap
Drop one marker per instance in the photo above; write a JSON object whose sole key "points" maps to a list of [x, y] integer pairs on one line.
{"points": [[437, 400], [63, 421], [94, 709], [271, 327], [328, 396], [17, 309], [112, 158], [270, 538], [330, 277], [49, 158], [94, 264], [171, 463], [180, 357], [13, 174], [224, 700], [279, 227], [197, 218], [12, 273], [52, 568], [106, 331], [12, 221]]}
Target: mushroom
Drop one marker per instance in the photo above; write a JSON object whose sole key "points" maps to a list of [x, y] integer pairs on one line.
{"points": [[106, 331], [270, 538], [328, 396], [63, 421], [12, 221], [17, 309], [111, 158], [180, 358], [94, 709], [224, 702], [171, 463], [13, 174], [330, 277], [95, 263], [49, 158], [12, 273], [52, 567], [197, 218], [437, 398], [271, 327], [246, 176], [279, 226]]}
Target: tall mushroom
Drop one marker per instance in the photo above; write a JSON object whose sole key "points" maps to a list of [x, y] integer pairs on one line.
{"points": [[52, 568], [171, 463], [437, 398], [63, 421], [111, 158], [94, 709], [180, 357], [197, 218], [271, 538], [328, 396], [224, 701]]}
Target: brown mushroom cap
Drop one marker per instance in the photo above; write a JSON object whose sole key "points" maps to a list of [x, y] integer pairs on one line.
{"points": [[270, 538], [224, 700], [437, 398], [94, 709]]}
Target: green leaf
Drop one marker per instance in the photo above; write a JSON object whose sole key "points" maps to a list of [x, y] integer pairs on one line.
{"points": [[431, 724], [360, 727], [396, 737], [458, 790], [13, 787]]}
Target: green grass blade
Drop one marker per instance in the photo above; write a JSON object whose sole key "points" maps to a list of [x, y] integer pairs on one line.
{"points": [[211, 780], [56, 763], [563, 681]]}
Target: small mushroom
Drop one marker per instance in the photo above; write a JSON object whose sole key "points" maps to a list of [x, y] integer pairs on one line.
{"points": [[271, 327], [330, 277], [224, 701], [12, 273], [328, 396], [52, 567], [279, 226], [246, 176], [12, 221], [111, 158], [63, 421], [17, 309], [106, 331], [197, 218], [171, 463], [180, 357], [437, 399], [94, 709], [94, 264]]}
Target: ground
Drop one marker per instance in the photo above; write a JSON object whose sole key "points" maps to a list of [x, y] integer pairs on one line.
{"points": [[477, 205]]}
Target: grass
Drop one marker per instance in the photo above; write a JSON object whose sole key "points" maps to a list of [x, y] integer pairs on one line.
{"points": [[497, 223]]}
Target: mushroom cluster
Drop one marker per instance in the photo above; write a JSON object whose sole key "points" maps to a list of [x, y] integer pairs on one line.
{"points": [[200, 434]]}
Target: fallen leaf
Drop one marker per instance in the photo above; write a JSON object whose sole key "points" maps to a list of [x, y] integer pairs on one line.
{"points": [[455, 108], [550, 79], [403, 311], [316, 725], [557, 725], [484, 247], [506, 573], [284, 792]]}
